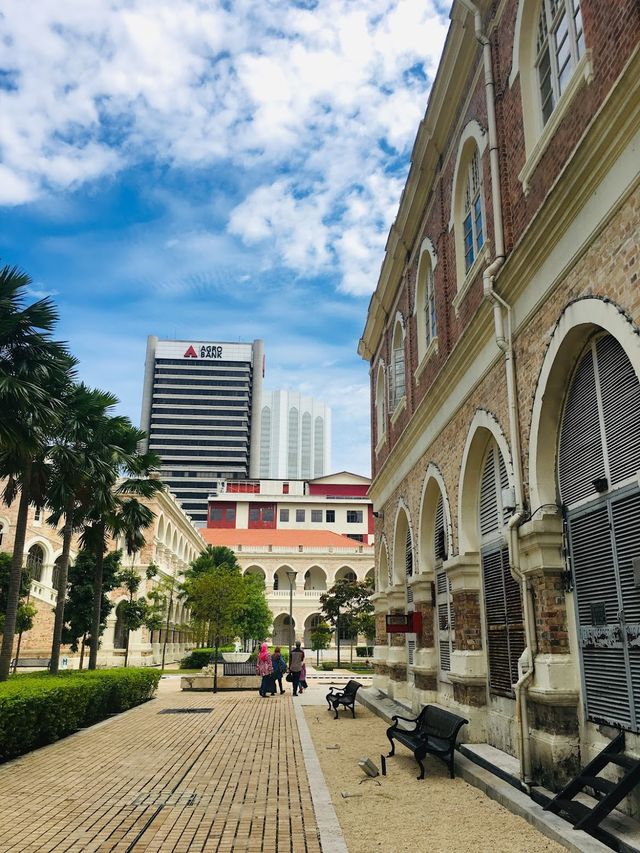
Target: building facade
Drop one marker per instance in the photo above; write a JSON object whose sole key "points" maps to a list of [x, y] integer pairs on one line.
{"points": [[171, 543], [295, 436], [338, 503], [320, 529], [504, 347], [297, 566], [201, 411]]}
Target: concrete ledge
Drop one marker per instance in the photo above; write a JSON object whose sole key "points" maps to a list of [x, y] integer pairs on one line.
{"points": [[225, 682], [331, 837]]}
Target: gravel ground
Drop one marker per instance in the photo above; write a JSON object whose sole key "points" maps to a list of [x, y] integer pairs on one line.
{"points": [[438, 815]]}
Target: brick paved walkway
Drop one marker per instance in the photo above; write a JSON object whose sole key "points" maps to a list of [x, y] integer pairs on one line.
{"points": [[221, 781]]}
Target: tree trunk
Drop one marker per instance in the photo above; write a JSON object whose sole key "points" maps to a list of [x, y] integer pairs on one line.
{"points": [[126, 647], [164, 645], [62, 585], [84, 640], [215, 665], [97, 602], [15, 579]]}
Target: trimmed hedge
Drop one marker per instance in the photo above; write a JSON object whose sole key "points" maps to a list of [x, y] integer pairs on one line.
{"points": [[364, 651], [39, 709], [196, 659]]}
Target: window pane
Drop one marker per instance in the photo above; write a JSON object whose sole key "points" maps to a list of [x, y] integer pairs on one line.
{"points": [[299, 515], [284, 515], [331, 516], [546, 89], [316, 515], [478, 224]]}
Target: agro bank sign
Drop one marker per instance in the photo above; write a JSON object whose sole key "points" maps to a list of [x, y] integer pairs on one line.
{"points": [[195, 351]]}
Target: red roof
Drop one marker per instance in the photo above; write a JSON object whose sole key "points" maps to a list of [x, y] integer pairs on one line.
{"points": [[285, 538]]}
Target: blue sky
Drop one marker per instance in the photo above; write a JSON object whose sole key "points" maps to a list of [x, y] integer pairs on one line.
{"points": [[213, 170]]}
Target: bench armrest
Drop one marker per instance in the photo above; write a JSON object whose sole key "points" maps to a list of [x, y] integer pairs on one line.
{"points": [[396, 717]]}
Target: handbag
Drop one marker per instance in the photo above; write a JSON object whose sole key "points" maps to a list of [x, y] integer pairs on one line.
{"points": [[289, 677]]}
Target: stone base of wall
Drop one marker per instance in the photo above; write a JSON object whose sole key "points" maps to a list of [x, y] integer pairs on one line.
{"points": [[225, 682], [425, 681], [472, 695]]}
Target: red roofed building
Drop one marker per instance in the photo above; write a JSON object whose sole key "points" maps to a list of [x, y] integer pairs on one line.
{"points": [[320, 529]]}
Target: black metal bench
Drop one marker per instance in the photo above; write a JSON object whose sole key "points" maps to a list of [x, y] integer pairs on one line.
{"points": [[345, 696], [435, 731], [30, 662]]}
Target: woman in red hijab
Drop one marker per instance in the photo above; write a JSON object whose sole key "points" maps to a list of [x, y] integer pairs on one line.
{"points": [[264, 667]]}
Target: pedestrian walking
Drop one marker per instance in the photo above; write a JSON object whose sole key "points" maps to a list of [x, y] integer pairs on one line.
{"points": [[279, 669], [264, 668], [295, 665], [302, 684]]}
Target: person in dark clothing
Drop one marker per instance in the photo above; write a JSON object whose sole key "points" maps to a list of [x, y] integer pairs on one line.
{"points": [[295, 666], [279, 669]]}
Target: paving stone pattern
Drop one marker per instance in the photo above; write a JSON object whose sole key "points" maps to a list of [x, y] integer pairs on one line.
{"points": [[222, 781]]}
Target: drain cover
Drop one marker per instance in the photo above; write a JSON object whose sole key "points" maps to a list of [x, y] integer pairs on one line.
{"points": [[165, 798], [186, 711]]}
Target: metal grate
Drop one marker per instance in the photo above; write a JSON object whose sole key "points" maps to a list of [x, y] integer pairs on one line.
{"points": [[165, 798], [186, 711]]}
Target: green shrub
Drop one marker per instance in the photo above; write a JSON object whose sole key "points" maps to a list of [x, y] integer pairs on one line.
{"points": [[364, 651], [196, 659], [327, 666], [39, 709]]}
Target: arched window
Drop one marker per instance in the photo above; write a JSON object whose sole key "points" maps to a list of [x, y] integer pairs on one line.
{"points": [[425, 307], [473, 222], [305, 468], [55, 577], [318, 447], [294, 443], [35, 562], [119, 630], [559, 47], [380, 404], [397, 384], [265, 441]]}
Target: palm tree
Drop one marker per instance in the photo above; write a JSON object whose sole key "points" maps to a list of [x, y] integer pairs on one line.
{"points": [[76, 462], [33, 371], [116, 510]]}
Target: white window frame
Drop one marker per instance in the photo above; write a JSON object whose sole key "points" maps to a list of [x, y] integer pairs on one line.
{"points": [[425, 305], [473, 211], [557, 17], [397, 368]]}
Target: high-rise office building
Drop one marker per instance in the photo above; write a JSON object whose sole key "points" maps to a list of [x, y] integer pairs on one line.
{"points": [[201, 410], [295, 436]]}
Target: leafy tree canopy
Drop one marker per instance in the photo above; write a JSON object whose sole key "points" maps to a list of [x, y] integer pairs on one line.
{"points": [[256, 618], [79, 605], [348, 598]]}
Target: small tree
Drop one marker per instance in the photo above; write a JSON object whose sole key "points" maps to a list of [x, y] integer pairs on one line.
{"points": [[217, 596], [256, 618], [320, 639], [162, 596], [78, 611], [133, 612], [344, 604]]}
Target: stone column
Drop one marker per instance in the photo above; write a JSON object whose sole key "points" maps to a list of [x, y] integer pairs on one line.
{"points": [[425, 669], [468, 662], [553, 694], [381, 649], [397, 651]]}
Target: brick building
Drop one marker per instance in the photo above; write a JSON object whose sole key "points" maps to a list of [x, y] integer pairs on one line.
{"points": [[504, 345], [170, 543]]}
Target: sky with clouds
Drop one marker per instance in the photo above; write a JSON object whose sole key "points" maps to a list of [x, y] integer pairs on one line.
{"points": [[223, 170]]}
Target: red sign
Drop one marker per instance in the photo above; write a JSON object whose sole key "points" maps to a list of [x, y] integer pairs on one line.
{"points": [[404, 623], [190, 353]]}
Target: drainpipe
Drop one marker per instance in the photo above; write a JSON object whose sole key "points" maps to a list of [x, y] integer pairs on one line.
{"points": [[505, 343]]}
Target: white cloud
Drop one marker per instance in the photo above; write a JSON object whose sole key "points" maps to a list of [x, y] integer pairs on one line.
{"points": [[301, 98]]}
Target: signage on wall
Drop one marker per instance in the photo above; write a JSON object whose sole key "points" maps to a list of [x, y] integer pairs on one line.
{"points": [[206, 351]]}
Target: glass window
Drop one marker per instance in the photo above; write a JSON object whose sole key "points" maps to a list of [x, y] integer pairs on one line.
{"points": [[267, 513], [472, 224], [354, 516], [429, 307], [300, 515], [559, 48], [316, 515], [230, 514], [331, 516], [284, 515], [216, 513], [254, 514]]}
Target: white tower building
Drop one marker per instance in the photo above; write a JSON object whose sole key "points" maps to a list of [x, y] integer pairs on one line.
{"points": [[295, 436]]}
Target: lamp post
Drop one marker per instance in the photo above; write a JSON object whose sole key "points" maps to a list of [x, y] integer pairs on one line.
{"points": [[292, 576]]}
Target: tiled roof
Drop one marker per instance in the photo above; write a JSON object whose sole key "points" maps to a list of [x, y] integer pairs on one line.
{"points": [[282, 538]]}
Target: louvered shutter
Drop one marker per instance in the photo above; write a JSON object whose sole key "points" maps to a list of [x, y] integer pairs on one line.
{"points": [[620, 394], [489, 508], [408, 565], [603, 658], [625, 514], [505, 627], [443, 591], [411, 651]]}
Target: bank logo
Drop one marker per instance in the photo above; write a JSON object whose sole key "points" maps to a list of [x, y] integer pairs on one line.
{"points": [[190, 353]]}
